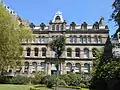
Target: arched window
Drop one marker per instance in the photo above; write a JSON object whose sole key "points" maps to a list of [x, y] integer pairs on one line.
{"points": [[44, 52], [89, 39], [68, 67], [86, 53], [57, 27], [43, 66], [86, 68], [53, 27], [95, 39], [28, 51], [77, 67], [26, 69], [99, 39], [85, 39], [36, 51], [69, 52], [34, 64], [77, 52], [96, 26]]}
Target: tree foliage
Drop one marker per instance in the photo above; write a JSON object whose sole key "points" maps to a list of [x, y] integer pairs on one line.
{"points": [[11, 36], [116, 15], [58, 45]]}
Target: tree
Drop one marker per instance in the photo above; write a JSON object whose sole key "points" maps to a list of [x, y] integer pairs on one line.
{"points": [[11, 36], [116, 15], [58, 46]]}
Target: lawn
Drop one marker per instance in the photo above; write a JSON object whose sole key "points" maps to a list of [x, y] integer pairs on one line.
{"points": [[14, 87]]}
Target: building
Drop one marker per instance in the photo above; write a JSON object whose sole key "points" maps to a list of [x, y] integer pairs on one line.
{"points": [[116, 46], [81, 39]]}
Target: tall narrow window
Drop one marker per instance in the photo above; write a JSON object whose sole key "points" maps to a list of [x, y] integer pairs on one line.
{"points": [[71, 39], [75, 39], [81, 39], [86, 68], [53, 27], [86, 53], [95, 39], [85, 39], [62, 27], [69, 52], [26, 69], [99, 39], [57, 27], [89, 39], [77, 52], [36, 51], [42, 39], [34, 66], [44, 52], [28, 51]]}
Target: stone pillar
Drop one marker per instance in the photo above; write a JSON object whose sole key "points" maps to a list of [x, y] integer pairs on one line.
{"points": [[23, 69], [30, 68], [82, 67], [63, 68], [48, 68]]}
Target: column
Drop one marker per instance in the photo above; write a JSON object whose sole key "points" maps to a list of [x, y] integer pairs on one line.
{"points": [[49, 68], [82, 67]]}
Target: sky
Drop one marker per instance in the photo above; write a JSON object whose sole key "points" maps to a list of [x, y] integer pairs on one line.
{"points": [[79, 11]]}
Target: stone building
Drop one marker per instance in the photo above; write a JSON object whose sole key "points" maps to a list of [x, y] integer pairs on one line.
{"points": [[81, 39]]}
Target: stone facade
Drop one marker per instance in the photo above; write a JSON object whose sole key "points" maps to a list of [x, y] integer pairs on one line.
{"points": [[77, 57]]}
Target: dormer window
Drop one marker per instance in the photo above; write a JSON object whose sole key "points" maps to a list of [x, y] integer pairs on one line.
{"points": [[57, 18], [84, 26], [72, 26], [96, 26], [42, 25]]}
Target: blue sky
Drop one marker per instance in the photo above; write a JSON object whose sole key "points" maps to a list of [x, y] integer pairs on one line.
{"points": [[38, 11]]}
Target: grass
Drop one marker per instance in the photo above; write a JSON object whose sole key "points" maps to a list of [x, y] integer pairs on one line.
{"points": [[84, 89], [14, 87], [17, 87]]}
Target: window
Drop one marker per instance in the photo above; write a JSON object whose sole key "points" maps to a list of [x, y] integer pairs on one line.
{"points": [[26, 67], [36, 51], [86, 68], [77, 52], [69, 67], [43, 51], [28, 51], [81, 39], [77, 67], [42, 66], [89, 39], [62, 27], [85, 39], [53, 27], [42, 39], [75, 39], [69, 52], [71, 39], [95, 39], [99, 39], [86, 53], [57, 27], [34, 65]]}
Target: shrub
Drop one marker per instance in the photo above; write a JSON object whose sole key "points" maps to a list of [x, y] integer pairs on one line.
{"points": [[5, 79], [20, 80]]}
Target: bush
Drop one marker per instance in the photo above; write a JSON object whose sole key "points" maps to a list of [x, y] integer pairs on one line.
{"points": [[5, 79], [20, 80]]}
